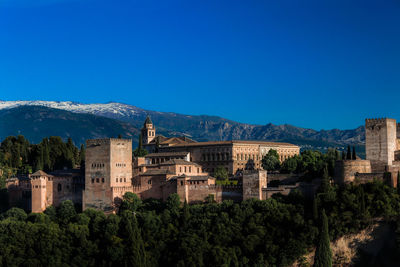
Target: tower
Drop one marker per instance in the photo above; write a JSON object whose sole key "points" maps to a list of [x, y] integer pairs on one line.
{"points": [[108, 167], [40, 198], [148, 131], [380, 140]]}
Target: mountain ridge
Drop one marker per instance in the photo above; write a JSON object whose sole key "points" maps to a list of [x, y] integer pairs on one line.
{"points": [[204, 127]]}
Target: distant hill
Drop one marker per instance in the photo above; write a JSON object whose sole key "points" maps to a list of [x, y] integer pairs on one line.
{"points": [[203, 127], [36, 122]]}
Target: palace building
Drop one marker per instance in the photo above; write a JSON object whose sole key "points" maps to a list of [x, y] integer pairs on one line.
{"points": [[175, 165]]}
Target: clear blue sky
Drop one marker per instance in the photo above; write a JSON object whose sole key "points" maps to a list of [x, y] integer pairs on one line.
{"points": [[311, 64]]}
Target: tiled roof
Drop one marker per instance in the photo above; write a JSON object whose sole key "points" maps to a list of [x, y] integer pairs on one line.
{"points": [[179, 162], [155, 172], [212, 143], [40, 173], [166, 154]]}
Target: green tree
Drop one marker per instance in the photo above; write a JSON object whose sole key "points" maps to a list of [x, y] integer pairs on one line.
{"points": [[130, 202], [270, 161], [354, 156], [398, 182], [348, 153], [140, 151], [82, 156], [323, 253], [66, 212], [221, 173], [135, 254], [290, 165]]}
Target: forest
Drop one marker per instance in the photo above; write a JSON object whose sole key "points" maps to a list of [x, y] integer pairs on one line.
{"points": [[273, 232]]}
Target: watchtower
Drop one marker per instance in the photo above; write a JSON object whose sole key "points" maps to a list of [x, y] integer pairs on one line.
{"points": [[108, 165], [148, 131], [381, 140]]}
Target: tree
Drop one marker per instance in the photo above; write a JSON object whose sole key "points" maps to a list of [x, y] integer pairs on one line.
{"points": [[66, 212], [343, 155], [82, 155], [398, 182], [221, 173], [323, 253], [140, 151], [130, 202], [315, 208], [348, 153], [135, 254], [270, 161], [354, 157], [290, 165]]}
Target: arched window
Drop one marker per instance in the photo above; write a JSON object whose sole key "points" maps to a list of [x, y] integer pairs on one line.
{"points": [[59, 188]]}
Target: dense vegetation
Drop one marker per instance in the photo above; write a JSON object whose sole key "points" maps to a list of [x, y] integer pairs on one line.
{"points": [[17, 155], [274, 232]]}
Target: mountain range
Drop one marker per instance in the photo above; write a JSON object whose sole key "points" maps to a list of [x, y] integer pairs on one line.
{"points": [[37, 119]]}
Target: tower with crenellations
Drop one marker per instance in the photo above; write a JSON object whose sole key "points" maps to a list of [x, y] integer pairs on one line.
{"points": [[380, 141]]}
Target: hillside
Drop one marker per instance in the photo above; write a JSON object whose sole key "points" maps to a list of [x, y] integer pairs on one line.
{"points": [[204, 127], [35, 122]]}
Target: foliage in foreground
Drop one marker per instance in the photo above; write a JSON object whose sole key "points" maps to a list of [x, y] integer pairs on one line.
{"points": [[274, 232]]}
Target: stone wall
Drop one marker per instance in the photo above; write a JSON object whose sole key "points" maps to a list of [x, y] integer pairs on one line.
{"points": [[363, 178], [345, 170], [253, 184]]}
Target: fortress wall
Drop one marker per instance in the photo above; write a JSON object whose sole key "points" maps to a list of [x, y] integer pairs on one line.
{"points": [[345, 170]]}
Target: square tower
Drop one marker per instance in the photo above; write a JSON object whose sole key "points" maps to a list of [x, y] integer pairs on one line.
{"points": [[108, 164], [381, 140]]}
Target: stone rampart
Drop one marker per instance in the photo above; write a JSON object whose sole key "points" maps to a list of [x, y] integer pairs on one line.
{"points": [[345, 170]]}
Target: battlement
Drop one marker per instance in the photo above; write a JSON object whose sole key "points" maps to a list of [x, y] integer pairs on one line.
{"points": [[375, 121], [106, 141]]}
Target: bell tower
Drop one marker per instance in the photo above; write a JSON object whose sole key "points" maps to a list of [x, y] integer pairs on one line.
{"points": [[148, 131]]}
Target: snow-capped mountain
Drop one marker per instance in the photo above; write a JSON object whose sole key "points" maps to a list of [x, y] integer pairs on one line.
{"points": [[203, 127], [111, 109]]}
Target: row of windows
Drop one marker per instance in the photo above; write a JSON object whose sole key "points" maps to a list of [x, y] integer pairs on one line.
{"points": [[215, 157], [97, 165], [97, 180], [120, 180], [188, 169], [120, 164], [247, 157], [151, 133]]}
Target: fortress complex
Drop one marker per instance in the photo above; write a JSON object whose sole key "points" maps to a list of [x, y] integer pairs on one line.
{"points": [[382, 147], [176, 165], [233, 155]]}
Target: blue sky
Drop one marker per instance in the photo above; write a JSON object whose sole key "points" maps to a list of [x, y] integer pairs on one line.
{"points": [[307, 63]]}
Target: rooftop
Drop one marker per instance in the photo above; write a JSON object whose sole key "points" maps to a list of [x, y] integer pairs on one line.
{"points": [[166, 154], [179, 162], [212, 143]]}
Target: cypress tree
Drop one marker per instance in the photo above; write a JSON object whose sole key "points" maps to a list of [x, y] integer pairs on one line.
{"points": [[354, 153], [135, 254], [323, 253], [337, 155], [315, 208], [398, 182], [343, 155], [325, 181], [362, 201], [82, 155], [348, 153]]}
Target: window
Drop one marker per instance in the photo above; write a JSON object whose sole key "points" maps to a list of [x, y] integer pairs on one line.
{"points": [[149, 181], [120, 180], [198, 170], [124, 180], [59, 188], [102, 180], [180, 169], [190, 169], [97, 180], [92, 180], [181, 182], [185, 168], [116, 180]]}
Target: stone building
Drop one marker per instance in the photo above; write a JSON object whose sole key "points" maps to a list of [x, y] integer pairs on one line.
{"points": [[108, 172], [382, 146], [40, 190], [233, 155]]}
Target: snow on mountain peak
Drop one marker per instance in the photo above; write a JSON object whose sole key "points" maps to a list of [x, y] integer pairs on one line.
{"points": [[117, 109]]}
